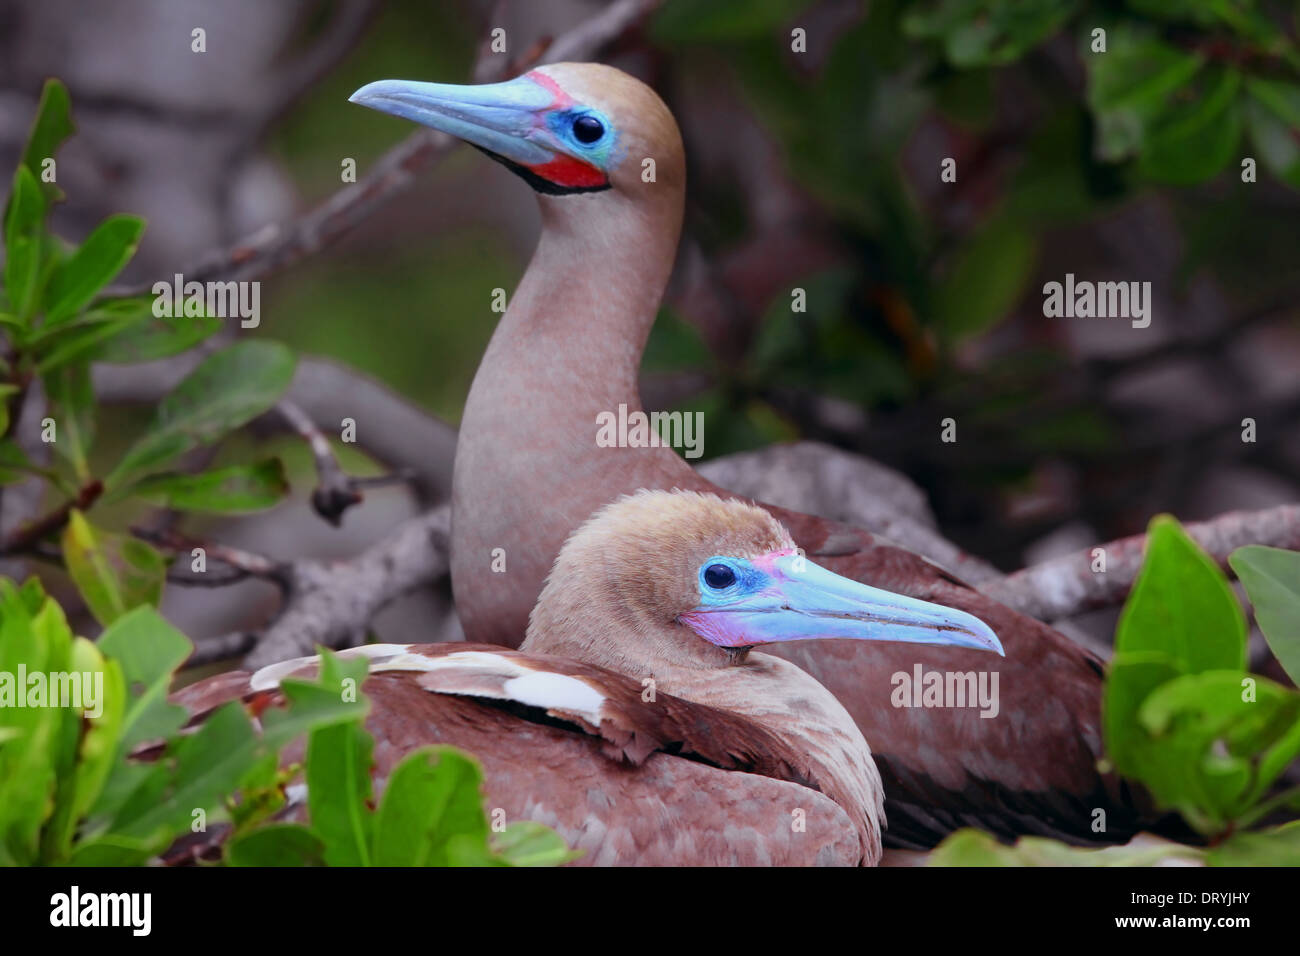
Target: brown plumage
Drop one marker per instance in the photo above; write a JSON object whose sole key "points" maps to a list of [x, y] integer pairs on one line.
{"points": [[617, 724], [528, 471]]}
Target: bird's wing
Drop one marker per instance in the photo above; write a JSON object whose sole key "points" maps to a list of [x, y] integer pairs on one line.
{"points": [[622, 778], [1029, 766]]}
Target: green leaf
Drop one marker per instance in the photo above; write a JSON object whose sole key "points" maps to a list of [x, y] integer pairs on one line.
{"points": [[98, 260], [1181, 618], [195, 773], [527, 843], [113, 572], [1279, 846], [971, 847], [1129, 85], [1189, 143], [53, 124], [111, 850], [1271, 577], [228, 389], [1222, 738], [977, 33], [37, 737], [154, 337], [149, 650], [986, 280], [238, 489], [277, 844], [338, 791], [72, 399], [83, 778], [1182, 606], [24, 226], [1275, 142], [433, 795]]}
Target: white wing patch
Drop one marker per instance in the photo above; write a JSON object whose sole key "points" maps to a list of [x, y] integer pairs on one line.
{"points": [[476, 673], [556, 692]]}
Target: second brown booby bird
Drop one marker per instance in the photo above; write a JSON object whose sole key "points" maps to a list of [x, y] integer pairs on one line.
{"points": [[636, 718], [605, 158]]}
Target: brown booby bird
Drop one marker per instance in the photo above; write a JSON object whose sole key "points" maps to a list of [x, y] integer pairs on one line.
{"points": [[636, 718], [605, 158]]}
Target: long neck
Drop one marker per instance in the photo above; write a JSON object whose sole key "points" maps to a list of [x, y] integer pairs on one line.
{"points": [[583, 311], [528, 469]]}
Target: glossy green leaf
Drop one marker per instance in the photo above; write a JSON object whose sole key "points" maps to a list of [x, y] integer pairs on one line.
{"points": [[277, 844], [1221, 739], [1279, 846], [971, 847], [149, 650], [238, 489], [196, 773], [338, 791], [228, 389], [527, 843], [37, 736], [24, 224], [1182, 606], [52, 125], [96, 736], [72, 406], [114, 573], [432, 796], [95, 263], [1271, 577], [1181, 618]]}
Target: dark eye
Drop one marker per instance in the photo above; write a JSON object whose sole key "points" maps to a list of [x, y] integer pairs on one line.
{"points": [[719, 576], [588, 129]]}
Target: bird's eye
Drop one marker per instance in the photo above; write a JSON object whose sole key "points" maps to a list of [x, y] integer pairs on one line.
{"points": [[719, 576], [588, 129]]}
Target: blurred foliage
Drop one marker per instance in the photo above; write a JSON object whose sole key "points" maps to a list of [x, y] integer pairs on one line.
{"points": [[115, 781], [1181, 94], [55, 325], [1182, 714]]}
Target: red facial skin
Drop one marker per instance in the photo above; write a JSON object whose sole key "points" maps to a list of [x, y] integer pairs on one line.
{"points": [[564, 170]]}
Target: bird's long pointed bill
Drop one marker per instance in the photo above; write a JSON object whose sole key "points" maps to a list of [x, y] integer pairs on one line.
{"points": [[497, 117], [807, 602]]}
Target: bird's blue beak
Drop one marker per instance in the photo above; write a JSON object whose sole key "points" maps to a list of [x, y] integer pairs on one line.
{"points": [[788, 598], [506, 119]]}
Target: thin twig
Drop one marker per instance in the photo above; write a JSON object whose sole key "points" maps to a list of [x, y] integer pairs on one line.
{"points": [[25, 539], [335, 491], [274, 247], [1067, 586], [243, 564]]}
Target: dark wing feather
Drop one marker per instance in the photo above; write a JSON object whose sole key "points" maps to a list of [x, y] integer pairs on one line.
{"points": [[662, 783], [1030, 769]]}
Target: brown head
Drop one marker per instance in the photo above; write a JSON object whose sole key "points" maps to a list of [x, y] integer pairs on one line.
{"points": [[568, 129], [680, 580]]}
